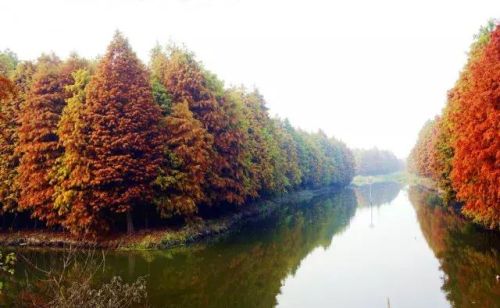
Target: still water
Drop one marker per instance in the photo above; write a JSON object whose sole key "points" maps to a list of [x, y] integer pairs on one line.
{"points": [[373, 246]]}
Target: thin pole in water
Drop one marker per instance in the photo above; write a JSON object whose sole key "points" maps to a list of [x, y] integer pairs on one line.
{"points": [[371, 206]]}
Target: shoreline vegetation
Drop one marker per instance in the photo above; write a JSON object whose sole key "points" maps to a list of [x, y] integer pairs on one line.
{"points": [[99, 147], [199, 230], [165, 238], [459, 149]]}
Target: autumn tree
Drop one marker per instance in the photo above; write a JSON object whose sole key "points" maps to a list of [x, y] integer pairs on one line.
{"points": [[419, 160], [69, 129], [459, 150], [121, 153], [10, 122], [289, 162], [186, 80], [8, 140], [89, 146], [232, 153], [39, 142], [476, 171], [260, 142], [184, 171], [441, 153]]}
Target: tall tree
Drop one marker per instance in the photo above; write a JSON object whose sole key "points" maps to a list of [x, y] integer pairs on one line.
{"points": [[420, 158], [9, 112], [10, 122], [259, 142], [66, 184], [181, 182], [39, 142], [186, 80], [476, 126], [121, 154]]}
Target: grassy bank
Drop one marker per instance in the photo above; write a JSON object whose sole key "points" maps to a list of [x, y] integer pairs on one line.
{"points": [[402, 177]]}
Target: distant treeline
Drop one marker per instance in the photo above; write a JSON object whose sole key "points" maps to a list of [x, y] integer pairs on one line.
{"points": [[460, 149], [95, 145], [376, 162]]}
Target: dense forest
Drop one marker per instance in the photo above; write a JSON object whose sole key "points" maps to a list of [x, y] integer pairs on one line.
{"points": [[92, 146], [460, 149], [376, 162]]}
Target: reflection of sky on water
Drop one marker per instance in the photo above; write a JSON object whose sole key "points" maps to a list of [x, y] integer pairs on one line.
{"points": [[364, 266]]}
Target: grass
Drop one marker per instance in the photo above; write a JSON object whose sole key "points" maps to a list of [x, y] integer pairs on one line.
{"points": [[402, 177]]}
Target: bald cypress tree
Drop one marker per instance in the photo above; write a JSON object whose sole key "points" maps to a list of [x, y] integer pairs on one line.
{"points": [[186, 80], [186, 162], [67, 185], [121, 153], [14, 95], [9, 112], [38, 141]]}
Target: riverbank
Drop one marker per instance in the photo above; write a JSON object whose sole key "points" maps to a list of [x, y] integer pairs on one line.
{"points": [[402, 178], [160, 238]]}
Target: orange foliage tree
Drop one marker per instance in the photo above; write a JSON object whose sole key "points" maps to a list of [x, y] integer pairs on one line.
{"points": [[460, 150], [476, 127], [39, 142], [121, 153], [9, 124]]}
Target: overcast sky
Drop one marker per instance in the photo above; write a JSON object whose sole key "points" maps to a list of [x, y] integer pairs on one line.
{"points": [[368, 72]]}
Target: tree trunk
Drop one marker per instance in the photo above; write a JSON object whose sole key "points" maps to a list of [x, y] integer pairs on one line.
{"points": [[130, 223]]}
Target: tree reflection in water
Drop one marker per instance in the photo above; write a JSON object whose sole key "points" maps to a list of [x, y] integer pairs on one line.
{"points": [[245, 269], [377, 193], [469, 256]]}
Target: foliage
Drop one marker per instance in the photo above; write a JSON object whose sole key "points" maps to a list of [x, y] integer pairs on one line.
{"points": [[88, 146], [121, 152], [476, 171], [66, 186], [9, 124], [460, 149], [39, 142], [8, 62], [184, 170]]}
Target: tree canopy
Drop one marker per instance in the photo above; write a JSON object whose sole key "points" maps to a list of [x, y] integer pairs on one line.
{"points": [[92, 147]]}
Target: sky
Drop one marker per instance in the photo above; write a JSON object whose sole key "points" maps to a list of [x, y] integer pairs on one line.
{"points": [[367, 72]]}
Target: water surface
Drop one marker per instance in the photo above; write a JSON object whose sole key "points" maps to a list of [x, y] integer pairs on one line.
{"points": [[373, 246]]}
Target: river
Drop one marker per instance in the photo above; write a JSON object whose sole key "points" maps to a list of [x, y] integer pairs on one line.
{"points": [[380, 245]]}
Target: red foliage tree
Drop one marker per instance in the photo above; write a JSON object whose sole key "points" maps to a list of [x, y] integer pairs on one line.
{"points": [[476, 128], [122, 149]]}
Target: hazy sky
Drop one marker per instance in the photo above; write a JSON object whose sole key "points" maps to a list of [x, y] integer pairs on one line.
{"points": [[368, 72]]}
